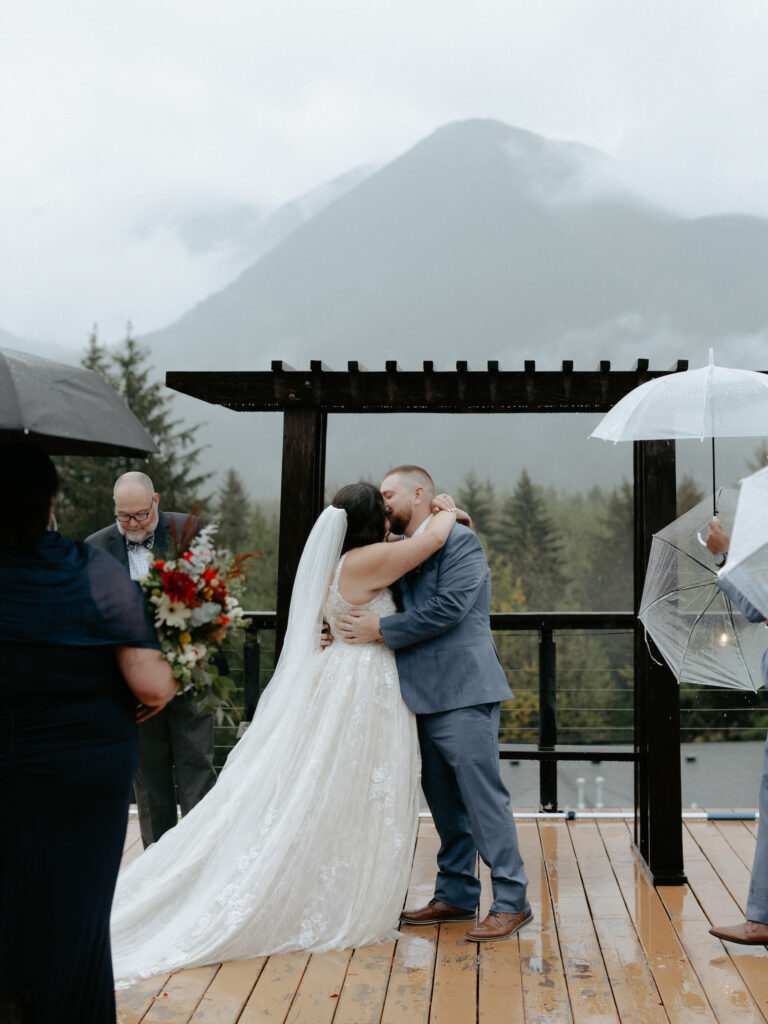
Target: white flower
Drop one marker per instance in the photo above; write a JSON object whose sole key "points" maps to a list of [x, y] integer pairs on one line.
{"points": [[170, 613]]}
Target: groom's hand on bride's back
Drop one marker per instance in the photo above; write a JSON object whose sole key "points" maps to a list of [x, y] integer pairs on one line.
{"points": [[359, 628]]}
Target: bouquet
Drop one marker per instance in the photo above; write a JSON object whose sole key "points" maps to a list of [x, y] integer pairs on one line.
{"points": [[194, 601]]}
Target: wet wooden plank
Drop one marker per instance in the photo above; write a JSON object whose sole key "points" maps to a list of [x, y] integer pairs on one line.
{"points": [[225, 998], [454, 991], [714, 903], [365, 986], [179, 999], [728, 996], [634, 990], [318, 995], [134, 1002], [588, 985], [500, 984], [740, 840], [681, 992], [732, 871], [410, 983], [545, 996], [276, 989]]}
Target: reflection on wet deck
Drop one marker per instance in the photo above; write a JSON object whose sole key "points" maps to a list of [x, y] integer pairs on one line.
{"points": [[604, 946]]}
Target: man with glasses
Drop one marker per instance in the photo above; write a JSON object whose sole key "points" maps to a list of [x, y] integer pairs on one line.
{"points": [[178, 738]]}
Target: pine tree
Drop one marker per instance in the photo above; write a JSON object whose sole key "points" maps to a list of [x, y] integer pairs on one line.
{"points": [[233, 513], [689, 494], [611, 574], [527, 539], [261, 587], [86, 482], [480, 501]]}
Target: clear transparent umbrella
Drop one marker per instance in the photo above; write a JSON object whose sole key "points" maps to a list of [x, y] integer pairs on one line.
{"points": [[713, 401], [67, 410], [701, 634], [747, 565]]}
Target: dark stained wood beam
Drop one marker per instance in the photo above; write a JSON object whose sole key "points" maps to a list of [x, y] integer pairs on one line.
{"points": [[462, 390]]}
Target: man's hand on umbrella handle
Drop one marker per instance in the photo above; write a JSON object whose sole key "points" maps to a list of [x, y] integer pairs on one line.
{"points": [[718, 541]]}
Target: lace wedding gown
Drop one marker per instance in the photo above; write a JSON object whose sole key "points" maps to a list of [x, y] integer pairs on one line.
{"points": [[307, 838]]}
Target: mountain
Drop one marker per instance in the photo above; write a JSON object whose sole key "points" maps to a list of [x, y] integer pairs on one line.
{"points": [[481, 242], [490, 242], [45, 350], [246, 234]]}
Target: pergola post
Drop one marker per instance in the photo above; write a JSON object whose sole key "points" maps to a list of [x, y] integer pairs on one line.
{"points": [[658, 789], [301, 498]]}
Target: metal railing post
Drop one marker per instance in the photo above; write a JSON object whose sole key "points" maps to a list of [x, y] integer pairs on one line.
{"points": [[547, 718]]}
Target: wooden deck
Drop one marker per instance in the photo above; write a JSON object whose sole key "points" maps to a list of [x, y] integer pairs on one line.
{"points": [[604, 948]]}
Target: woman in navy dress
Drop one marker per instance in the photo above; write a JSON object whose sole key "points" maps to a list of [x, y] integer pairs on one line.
{"points": [[74, 631]]}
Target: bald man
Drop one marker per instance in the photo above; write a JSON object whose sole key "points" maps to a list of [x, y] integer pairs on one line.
{"points": [[175, 745]]}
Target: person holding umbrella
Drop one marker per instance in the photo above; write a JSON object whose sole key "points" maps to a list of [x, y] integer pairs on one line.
{"points": [[754, 930], [79, 664]]}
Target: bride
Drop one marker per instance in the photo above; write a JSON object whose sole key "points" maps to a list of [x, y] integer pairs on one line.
{"points": [[306, 840]]}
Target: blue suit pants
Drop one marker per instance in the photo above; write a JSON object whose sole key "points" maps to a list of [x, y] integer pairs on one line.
{"points": [[470, 807]]}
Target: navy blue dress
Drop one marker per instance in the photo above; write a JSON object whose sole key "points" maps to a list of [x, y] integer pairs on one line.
{"points": [[68, 754]]}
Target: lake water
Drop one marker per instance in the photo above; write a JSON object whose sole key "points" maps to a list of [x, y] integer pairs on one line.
{"points": [[714, 775]]}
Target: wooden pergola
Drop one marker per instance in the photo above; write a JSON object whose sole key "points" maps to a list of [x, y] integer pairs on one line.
{"points": [[306, 397]]}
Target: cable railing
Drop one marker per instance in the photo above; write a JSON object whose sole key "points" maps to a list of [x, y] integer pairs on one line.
{"points": [[553, 718]]}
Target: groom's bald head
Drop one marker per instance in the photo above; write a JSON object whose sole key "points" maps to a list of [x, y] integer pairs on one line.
{"points": [[408, 492]]}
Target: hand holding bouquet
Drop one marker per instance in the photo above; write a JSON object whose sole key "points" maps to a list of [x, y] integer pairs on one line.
{"points": [[194, 601]]}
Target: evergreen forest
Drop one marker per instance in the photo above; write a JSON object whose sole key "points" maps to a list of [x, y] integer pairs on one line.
{"points": [[547, 550]]}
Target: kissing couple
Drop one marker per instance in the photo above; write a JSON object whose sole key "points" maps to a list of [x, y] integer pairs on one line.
{"points": [[306, 841]]}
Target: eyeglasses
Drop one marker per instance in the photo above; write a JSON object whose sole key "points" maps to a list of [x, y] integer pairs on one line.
{"points": [[138, 517]]}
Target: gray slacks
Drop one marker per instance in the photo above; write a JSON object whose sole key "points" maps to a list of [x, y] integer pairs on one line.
{"points": [[757, 901], [176, 741], [470, 807]]}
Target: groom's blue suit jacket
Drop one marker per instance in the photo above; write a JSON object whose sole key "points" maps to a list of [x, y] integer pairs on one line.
{"points": [[446, 657]]}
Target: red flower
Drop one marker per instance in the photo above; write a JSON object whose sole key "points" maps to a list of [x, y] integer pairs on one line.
{"points": [[180, 587], [159, 563]]}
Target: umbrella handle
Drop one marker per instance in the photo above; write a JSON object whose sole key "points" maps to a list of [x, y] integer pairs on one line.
{"points": [[698, 534]]}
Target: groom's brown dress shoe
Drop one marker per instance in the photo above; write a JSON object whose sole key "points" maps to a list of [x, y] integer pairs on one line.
{"points": [[751, 933], [499, 926], [436, 912]]}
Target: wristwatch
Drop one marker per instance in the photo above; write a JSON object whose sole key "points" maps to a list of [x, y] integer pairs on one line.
{"points": [[720, 559]]}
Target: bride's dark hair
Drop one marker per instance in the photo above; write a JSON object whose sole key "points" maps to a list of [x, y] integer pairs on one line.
{"points": [[366, 517]]}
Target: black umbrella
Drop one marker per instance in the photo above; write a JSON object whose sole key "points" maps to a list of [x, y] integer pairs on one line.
{"points": [[66, 410]]}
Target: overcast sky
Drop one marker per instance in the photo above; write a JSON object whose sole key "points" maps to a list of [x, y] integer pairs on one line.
{"points": [[117, 122]]}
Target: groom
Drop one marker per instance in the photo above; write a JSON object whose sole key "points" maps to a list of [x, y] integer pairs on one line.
{"points": [[450, 676]]}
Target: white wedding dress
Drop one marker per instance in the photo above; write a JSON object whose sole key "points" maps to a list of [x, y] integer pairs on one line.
{"points": [[306, 841]]}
